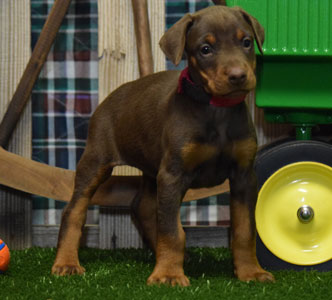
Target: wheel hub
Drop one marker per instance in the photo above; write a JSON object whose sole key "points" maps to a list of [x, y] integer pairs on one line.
{"points": [[305, 214]]}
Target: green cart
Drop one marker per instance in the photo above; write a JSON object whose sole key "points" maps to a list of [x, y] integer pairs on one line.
{"points": [[293, 213]]}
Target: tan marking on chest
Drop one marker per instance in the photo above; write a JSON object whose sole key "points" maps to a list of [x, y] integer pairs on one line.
{"points": [[194, 154], [244, 151]]}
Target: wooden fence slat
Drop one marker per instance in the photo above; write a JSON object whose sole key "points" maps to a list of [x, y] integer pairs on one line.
{"points": [[15, 207]]}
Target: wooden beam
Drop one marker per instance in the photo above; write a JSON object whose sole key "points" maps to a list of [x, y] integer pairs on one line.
{"points": [[143, 37], [35, 178], [32, 70], [57, 183]]}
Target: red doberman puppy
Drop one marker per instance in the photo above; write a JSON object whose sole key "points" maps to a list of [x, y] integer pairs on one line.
{"points": [[183, 130]]}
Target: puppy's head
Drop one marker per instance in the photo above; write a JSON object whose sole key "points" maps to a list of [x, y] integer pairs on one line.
{"points": [[219, 43]]}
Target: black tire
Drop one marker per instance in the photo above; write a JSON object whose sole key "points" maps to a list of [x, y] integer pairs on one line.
{"points": [[271, 159]]}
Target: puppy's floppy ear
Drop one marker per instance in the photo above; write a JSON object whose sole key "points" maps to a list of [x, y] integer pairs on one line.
{"points": [[256, 27], [173, 41]]}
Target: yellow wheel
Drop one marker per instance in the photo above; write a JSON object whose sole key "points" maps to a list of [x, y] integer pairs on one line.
{"points": [[293, 211]]}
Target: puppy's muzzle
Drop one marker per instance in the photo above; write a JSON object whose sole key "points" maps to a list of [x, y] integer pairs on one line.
{"points": [[237, 76]]}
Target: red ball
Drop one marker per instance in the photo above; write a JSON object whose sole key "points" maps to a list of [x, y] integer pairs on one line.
{"points": [[4, 257]]}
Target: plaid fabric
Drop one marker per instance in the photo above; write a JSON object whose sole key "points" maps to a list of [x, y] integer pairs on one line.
{"points": [[212, 211], [66, 95]]}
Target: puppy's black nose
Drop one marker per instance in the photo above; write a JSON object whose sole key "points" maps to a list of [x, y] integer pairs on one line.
{"points": [[237, 76]]}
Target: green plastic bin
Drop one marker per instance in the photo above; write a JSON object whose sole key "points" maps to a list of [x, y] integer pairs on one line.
{"points": [[295, 78]]}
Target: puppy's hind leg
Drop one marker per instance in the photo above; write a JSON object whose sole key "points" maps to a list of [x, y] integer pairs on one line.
{"points": [[91, 172]]}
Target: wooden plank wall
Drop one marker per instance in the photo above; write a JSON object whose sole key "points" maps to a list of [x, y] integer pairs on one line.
{"points": [[15, 207]]}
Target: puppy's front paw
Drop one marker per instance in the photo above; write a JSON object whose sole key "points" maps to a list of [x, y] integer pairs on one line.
{"points": [[67, 269], [255, 275], [265, 277], [173, 280]]}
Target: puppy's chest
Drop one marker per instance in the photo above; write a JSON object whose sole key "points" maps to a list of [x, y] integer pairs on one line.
{"points": [[199, 153], [211, 155], [209, 164]]}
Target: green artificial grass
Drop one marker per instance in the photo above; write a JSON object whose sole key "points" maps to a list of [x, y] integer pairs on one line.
{"points": [[121, 274]]}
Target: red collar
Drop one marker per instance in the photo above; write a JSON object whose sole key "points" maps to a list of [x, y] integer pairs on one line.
{"points": [[197, 93]]}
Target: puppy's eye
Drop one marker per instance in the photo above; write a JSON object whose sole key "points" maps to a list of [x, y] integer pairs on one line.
{"points": [[246, 42], [206, 50]]}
